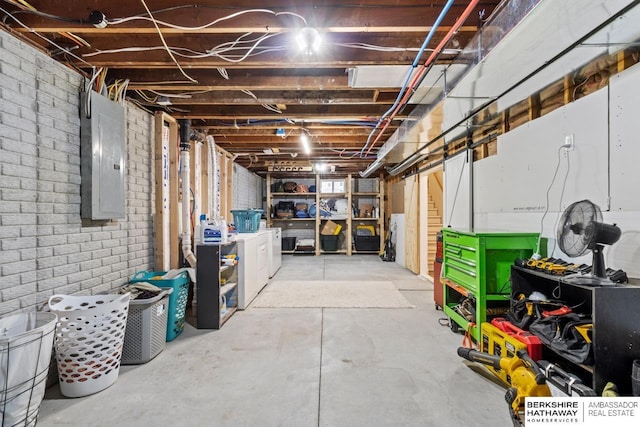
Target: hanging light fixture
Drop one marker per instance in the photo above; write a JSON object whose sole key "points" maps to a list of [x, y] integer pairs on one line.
{"points": [[308, 40], [304, 140]]}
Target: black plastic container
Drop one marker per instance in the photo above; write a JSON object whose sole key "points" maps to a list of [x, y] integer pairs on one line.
{"points": [[329, 243], [367, 243], [288, 243]]}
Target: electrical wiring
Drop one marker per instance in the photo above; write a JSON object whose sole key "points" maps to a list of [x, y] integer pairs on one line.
{"points": [[118, 21], [269, 107], [93, 79], [249, 51], [145, 97], [546, 209], [367, 46], [410, 72], [165, 44], [27, 8], [560, 209], [575, 89], [76, 39], [172, 95], [223, 72], [426, 67], [32, 31], [178, 51]]}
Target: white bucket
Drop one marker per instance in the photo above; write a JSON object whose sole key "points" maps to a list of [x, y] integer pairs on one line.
{"points": [[88, 342]]}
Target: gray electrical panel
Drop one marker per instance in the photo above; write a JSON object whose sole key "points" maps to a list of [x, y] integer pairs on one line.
{"points": [[102, 157]]}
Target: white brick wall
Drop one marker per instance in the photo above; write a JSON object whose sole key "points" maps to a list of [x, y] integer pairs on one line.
{"points": [[247, 189], [45, 246]]}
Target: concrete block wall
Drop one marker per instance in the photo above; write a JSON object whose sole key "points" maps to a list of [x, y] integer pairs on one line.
{"points": [[45, 247]]}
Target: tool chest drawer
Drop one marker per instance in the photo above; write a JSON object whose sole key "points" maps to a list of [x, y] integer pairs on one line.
{"points": [[461, 262], [480, 263]]}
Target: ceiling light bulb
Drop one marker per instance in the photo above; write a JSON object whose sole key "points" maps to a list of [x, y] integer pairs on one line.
{"points": [[309, 40], [98, 19], [305, 143]]}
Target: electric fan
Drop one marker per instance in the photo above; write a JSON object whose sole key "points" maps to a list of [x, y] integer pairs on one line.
{"points": [[581, 230]]}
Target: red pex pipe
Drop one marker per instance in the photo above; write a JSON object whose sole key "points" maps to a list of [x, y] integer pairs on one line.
{"points": [[454, 29]]}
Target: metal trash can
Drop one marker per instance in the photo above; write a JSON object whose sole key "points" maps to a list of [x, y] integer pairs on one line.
{"points": [[26, 341]]}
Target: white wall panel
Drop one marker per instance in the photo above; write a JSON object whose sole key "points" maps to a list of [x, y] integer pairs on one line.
{"points": [[625, 145]]}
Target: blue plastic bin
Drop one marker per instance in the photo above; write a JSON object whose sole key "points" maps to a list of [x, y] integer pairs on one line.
{"points": [[177, 300], [247, 221]]}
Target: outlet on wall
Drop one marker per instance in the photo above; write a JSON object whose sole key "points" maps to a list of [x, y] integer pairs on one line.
{"points": [[569, 143]]}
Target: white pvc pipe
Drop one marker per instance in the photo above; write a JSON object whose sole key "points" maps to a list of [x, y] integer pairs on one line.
{"points": [[197, 185], [215, 213], [186, 213]]}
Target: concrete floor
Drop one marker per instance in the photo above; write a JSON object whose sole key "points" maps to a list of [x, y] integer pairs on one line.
{"points": [[303, 367]]}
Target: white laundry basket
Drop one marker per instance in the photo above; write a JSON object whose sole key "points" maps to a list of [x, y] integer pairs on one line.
{"points": [[88, 341], [26, 340]]}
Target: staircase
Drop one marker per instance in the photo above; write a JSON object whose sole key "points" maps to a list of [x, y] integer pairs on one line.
{"points": [[434, 224]]}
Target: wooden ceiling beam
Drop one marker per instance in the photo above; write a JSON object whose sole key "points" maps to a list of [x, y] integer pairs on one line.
{"points": [[307, 118], [416, 16], [290, 130], [292, 109], [257, 129], [267, 97], [291, 139], [121, 30]]}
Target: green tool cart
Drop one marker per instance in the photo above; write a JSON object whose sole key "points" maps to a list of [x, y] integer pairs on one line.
{"points": [[476, 268]]}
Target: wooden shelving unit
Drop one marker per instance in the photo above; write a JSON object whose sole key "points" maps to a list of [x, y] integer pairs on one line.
{"points": [[350, 220]]}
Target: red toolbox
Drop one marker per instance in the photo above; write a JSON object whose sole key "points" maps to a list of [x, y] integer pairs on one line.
{"points": [[534, 345]]}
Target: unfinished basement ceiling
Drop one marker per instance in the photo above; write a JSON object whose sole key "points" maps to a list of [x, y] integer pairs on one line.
{"points": [[243, 77]]}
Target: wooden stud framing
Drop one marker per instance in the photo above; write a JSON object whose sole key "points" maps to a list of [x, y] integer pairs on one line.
{"points": [[412, 226], [163, 242], [160, 239], [534, 107], [204, 179]]}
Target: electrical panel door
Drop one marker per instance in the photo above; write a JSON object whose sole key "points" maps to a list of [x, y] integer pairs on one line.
{"points": [[102, 158]]}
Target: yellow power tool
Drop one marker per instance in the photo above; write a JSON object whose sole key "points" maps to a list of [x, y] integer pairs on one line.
{"points": [[524, 376]]}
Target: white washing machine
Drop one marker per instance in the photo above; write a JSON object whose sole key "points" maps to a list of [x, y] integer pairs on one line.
{"points": [[275, 250]]}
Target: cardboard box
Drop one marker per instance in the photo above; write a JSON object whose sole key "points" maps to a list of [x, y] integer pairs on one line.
{"points": [[366, 210], [330, 228]]}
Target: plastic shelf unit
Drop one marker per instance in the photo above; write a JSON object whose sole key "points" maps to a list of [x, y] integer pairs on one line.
{"points": [[216, 285]]}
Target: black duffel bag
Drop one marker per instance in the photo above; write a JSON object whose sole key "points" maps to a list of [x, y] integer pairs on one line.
{"points": [[567, 335]]}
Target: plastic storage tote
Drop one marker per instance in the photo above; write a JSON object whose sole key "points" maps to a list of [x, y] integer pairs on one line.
{"points": [[247, 221], [177, 300], [26, 340], [88, 341], [146, 328], [329, 243]]}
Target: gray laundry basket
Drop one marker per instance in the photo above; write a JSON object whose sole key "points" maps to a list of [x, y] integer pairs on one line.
{"points": [[26, 340], [146, 331]]}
